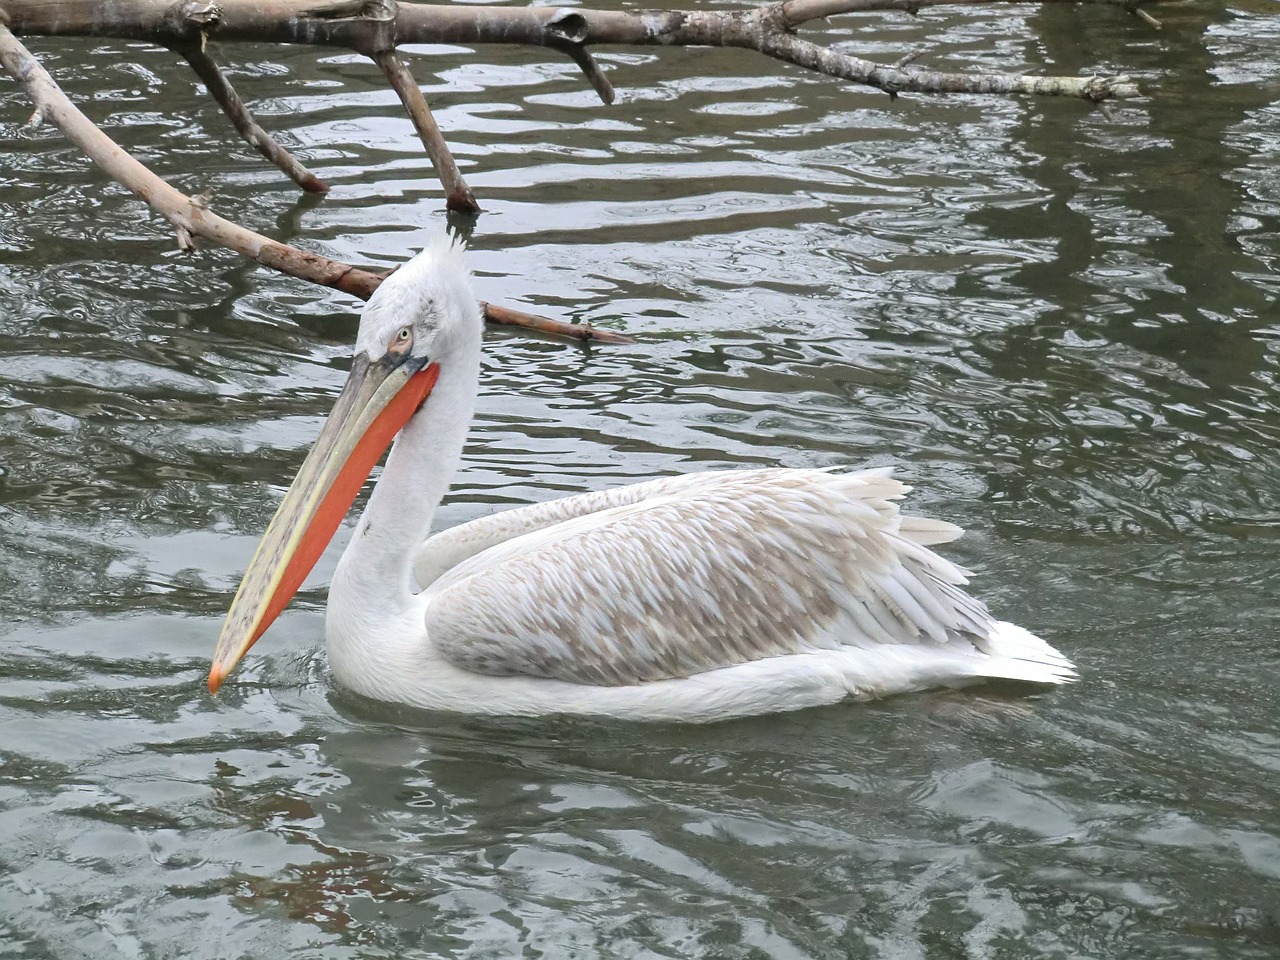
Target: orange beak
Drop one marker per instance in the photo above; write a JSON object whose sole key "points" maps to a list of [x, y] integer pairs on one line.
{"points": [[376, 402]]}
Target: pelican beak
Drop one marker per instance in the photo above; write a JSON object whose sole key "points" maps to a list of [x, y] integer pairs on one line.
{"points": [[377, 401]]}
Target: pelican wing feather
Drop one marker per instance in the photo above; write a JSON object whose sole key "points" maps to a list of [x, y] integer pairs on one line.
{"points": [[445, 550], [699, 573]]}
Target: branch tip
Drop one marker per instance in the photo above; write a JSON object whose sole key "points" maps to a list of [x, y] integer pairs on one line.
{"points": [[186, 243], [220, 88], [1146, 18], [590, 69], [458, 195], [576, 331], [910, 58]]}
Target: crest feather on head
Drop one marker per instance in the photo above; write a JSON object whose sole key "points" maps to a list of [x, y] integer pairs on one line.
{"points": [[433, 289]]}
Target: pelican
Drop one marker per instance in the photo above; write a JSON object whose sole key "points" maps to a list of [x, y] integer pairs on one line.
{"points": [[690, 598]]}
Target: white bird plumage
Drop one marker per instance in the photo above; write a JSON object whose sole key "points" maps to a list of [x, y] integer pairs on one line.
{"points": [[692, 598]]}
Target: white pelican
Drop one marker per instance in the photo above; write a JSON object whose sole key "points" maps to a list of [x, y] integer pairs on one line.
{"points": [[692, 598]]}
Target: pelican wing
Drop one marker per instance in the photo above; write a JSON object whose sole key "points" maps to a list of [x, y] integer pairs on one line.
{"points": [[445, 550], [717, 571]]}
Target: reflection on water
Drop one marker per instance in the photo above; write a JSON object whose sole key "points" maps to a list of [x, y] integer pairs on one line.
{"points": [[1061, 328]]}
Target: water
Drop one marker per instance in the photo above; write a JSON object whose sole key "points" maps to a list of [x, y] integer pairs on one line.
{"points": [[1062, 329]]}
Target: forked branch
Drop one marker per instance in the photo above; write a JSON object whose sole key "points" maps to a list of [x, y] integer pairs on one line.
{"points": [[368, 25], [376, 27], [191, 216]]}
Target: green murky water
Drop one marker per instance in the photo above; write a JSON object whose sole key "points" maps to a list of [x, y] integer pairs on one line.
{"points": [[1062, 329]]}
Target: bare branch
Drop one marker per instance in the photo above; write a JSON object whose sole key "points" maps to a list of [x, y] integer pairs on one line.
{"points": [[219, 86], [1142, 15], [346, 23], [191, 216], [590, 69], [577, 331], [458, 195], [894, 81], [182, 211], [796, 12], [568, 34]]}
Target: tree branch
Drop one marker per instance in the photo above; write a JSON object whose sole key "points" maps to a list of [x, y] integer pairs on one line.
{"points": [[458, 195], [219, 86], [376, 27], [191, 216], [577, 331], [577, 52], [894, 80], [344, 23], [796, 12]]}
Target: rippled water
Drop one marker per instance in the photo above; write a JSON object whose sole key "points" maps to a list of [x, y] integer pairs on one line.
{"points": [[1062, 328]]}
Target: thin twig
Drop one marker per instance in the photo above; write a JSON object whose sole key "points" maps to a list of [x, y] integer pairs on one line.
{"points": [[910, 58], [458, 195], [1142, 15], [191, 216], [578, 331], [219, 86]]}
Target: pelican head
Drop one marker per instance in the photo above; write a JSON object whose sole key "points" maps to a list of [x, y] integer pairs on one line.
{"points": [[421, 316]]}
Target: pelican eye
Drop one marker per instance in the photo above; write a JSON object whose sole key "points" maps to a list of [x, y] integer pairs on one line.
{"points": [[401, 342]]}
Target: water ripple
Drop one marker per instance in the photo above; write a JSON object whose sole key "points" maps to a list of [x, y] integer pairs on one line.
{"points": [[1061, 328]]}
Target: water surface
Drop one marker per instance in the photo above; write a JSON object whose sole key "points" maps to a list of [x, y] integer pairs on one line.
{"points": [[1061, 328]]}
